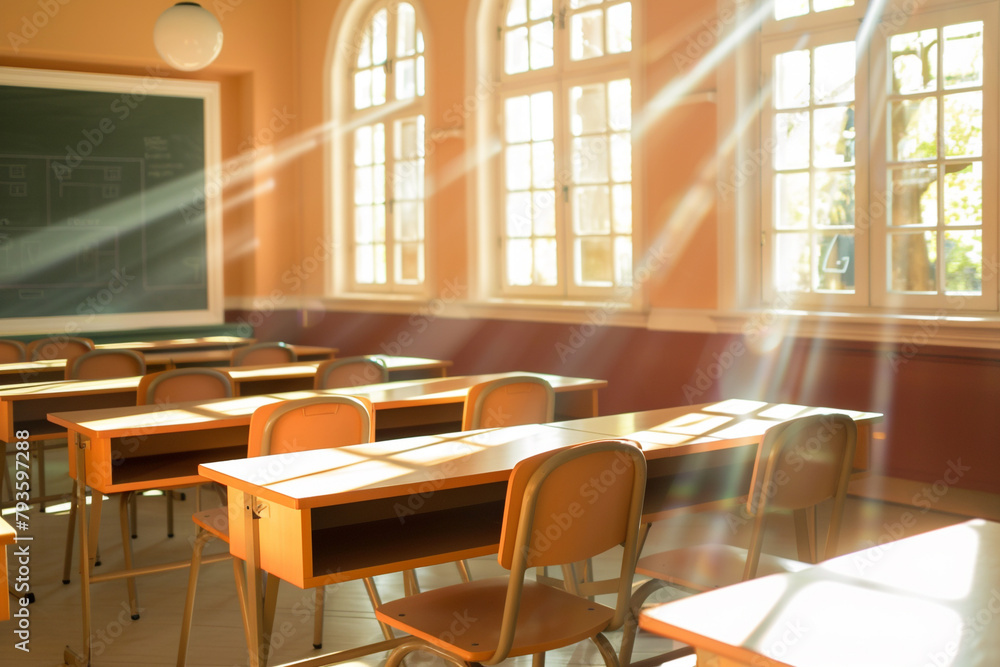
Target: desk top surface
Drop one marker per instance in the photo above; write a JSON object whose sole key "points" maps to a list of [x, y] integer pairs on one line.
{"points": [[202, 343], [55, 388], [929, 599], [113, 422], [399, 467]]}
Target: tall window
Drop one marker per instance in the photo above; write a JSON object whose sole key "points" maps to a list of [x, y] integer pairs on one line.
{"points": [[387, 152], [565, 184], [879, 189]]}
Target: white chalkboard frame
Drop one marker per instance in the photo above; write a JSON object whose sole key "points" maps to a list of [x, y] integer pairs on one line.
{"points": [[208, 92]]}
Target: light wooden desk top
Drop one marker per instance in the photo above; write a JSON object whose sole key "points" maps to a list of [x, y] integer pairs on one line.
{"points": [[117, 422], [930, 599], [200, 343], [308, 368]]}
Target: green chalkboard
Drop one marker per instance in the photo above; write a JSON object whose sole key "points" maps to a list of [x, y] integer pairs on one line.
{"points": [[104, 215]]}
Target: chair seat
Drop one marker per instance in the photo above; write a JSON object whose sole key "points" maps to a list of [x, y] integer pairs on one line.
{"points": [[215, 521], [706, 566], [465, 619]]}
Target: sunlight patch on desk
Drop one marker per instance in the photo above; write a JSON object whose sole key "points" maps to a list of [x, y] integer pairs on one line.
{"points": [[748, 427], [735, 406], [693, 424], [783, 411]]}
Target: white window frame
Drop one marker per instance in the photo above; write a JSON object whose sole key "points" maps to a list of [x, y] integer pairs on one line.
{"points": [[343, 119], [742, 223], [486, 131]]}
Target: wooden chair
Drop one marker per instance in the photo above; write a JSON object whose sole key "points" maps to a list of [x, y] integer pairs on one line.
{"points": [[102, 364], [550, 519], [12, 351], [350, 372], [800, 463], [58, 347], [277, 428], [260, 354], [510, 401]]}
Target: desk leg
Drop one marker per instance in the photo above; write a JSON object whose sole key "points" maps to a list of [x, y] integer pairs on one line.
{"points": [[255, 601], [70, 657]]}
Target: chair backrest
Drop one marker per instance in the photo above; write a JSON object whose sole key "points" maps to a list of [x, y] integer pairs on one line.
{"points": [[260, 354], [509, 401], [58, 347], [350, 372], [310, 423], [569, 505], [801, 463], [101, 364], [184, 384], [12, 351]]}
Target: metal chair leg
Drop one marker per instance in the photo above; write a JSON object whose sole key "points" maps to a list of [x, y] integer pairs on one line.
{"points": [[376, 601], [123, 518], [199, 546], [318, 617], [70, 534]]}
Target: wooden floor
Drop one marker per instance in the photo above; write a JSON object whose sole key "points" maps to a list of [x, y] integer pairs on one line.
{"points": [[217, 639]]}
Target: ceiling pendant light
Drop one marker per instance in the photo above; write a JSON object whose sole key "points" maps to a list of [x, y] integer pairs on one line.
{"points": [[187, 36]]}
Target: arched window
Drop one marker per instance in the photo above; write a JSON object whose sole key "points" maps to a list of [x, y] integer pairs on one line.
{"points": [[564, 183], [382, 154]]}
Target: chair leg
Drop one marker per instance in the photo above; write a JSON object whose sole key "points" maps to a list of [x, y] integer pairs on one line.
{"points": [[70, 534], [241, 593], [607, 652], [123, 517], [318, 617], [631, 626], [170, 512], [410, 584], [376, 601], [199, 546], [134, 507], [538, 660], [805, 534], [463, 571]]}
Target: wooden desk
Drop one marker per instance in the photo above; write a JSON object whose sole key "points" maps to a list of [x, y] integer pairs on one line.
{"points": [[150, 447], [930, 599], [7, 536], [324, 516], [53, 370], [300, 375], [174, 344]]}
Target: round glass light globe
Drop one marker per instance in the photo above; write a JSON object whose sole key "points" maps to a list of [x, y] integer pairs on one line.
{"points": [[187, 36]]}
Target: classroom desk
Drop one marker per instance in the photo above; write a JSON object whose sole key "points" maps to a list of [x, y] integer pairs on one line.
{"points": [[929, 599], [140, 448], [173, 344], [52, 370], [320, 517], [7, 536], [300, 375]]}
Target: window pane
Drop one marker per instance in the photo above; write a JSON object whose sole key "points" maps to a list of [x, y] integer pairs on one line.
{"points": [[623, 261], [543, 166], [835, 270], [364, 264], [421, 86], [963, 55], [519, 167], [914, 129], [590, 159], [586, 35], [406, 180], [541, 45], [791, 79], [835, 198], [621, 197], [363, 224], [784, 9], [546, 265], [409, 263], [378, 86], [517, 13], [406, 30], [587, 109], [363, 146], [834, 74], [591, 213], [791, 133], [406, 80], [826, 5], [620, 99], [409, 138], [544, 212], [913, 259], [620, 28], [791, 201], [621, 158], [363, 191], [963, 193], [963, 262], [963, 124], [516, 51], [380, 39], [365, 50], [833, 137], [542, 128], [914, 62], [913, 196], [594, 261], [408, 218], [792, 263], [519, 215], [576, 4], [519, 262], [517, 119], [363, 89], [540, 9]]}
